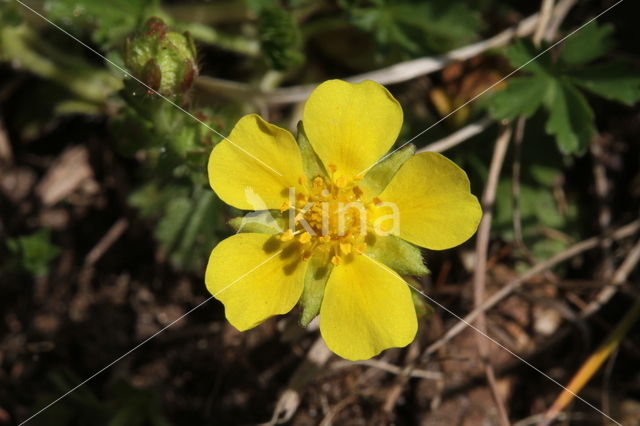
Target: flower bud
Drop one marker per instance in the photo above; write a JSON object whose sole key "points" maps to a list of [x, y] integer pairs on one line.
{"points": [[164, 60]]}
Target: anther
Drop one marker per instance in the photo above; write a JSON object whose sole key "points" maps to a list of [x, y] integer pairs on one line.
{"points": [[287, 235], [345, 248], [305, 237]]}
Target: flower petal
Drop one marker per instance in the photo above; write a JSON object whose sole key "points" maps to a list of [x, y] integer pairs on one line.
{"points": [[436, 207], [366, 308], [255, 276], [351, 125], [256, 169]]}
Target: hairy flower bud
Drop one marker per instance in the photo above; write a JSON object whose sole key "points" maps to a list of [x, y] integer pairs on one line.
{"points": [[165, 60]]}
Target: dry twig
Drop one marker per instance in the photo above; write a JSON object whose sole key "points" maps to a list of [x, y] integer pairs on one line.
{"points": [[289, 401], [459, 136], [514, 284], [393, 74], [480, 270]]}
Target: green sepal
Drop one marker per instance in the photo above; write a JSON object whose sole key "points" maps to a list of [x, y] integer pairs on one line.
{"points": [[381, 174], [310, 161], [397, 254], [315, 280], [423, 309], [262, 222]]}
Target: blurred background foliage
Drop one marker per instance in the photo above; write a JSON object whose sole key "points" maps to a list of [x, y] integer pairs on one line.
{"points": [[212, 62]]}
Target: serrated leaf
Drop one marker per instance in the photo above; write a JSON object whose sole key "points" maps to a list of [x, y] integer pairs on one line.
{"points": [[109, 22], [262, 222], [522, 53], [171, 225], [379, 176], [437, 25], [197, 238], [522, 97], [315, 280], [587, 44], [186, 228], [399, 255], [310, 161], [570, 118], [614, 81]]}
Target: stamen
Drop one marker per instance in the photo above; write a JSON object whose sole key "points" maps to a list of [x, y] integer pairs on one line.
{"points": [[323, 222], [345, 248], [360, 248], [285, 206], [305, 237], [287, 235]]}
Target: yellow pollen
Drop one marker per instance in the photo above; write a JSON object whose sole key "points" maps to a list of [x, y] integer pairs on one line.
{"points": [[341, 182], [302, 180], [285, 206], [318, 182], [360, 248], [305, 237], [345, 248], [329, 217], [287, 235]]}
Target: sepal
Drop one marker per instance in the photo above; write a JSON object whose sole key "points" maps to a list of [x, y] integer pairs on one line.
{"points": [[262, 222], [397, 254], [379, 176]]}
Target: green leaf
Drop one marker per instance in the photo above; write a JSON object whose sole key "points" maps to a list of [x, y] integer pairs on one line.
{"points": [[379, 176], [522, 52], [522, 97], [614, 81], [311, 162], [399, 255], [280, 36], [197, 238], [435, 26], [109, 22], [570, 118], [587, 44], [187, 221], [33, 252], [263, 222], [315, 280]]}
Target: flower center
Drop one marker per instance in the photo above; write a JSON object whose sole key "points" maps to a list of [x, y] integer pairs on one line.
{"points": [[332, 218]]}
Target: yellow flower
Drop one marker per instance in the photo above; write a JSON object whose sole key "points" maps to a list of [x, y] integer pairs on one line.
{"points": [[335, 223]]}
